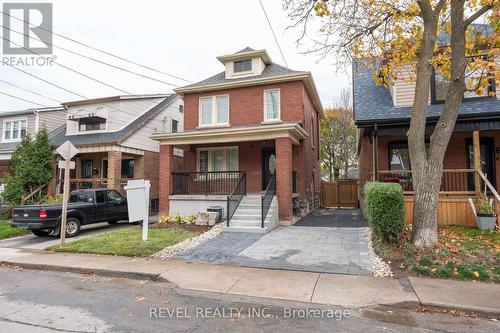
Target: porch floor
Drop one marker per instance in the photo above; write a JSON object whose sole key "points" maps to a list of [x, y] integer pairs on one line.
{"points": [[339, 247]]}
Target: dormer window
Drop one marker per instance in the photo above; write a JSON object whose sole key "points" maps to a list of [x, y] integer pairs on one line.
{"points": [[92, 124], [243, 66]]}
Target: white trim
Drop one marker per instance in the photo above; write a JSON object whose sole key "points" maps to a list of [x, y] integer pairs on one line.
{"points": [[13, 120], [271, 120], [225, 159], [215, 111]]}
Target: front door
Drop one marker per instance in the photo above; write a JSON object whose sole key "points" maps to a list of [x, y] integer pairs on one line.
{"points": [[268, 165], [487, 160]]}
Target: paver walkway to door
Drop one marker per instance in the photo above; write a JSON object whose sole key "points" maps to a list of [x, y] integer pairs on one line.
{"points": [[329, 241]]}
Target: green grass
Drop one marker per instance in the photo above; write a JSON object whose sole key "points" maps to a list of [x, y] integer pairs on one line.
{"points": [[6, 231], [127, 242]]}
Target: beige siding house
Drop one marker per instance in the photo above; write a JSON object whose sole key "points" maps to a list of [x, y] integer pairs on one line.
{"points": [[112, 135]]}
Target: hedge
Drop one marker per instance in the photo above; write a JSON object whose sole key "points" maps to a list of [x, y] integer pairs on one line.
{"points": [[384, 209]]}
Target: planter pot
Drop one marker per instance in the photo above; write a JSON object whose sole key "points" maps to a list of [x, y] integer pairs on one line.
{"points": [[486, 222]]}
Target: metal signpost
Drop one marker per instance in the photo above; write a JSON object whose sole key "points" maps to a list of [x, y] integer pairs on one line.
{"points": [[138, 203], [67, 151]]}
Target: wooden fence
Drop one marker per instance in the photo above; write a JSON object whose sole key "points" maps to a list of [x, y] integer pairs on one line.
{"points": [[342, 193]]}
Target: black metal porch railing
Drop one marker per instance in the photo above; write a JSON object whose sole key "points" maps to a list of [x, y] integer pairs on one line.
{"points": [[205, 183], [267, 198], [234, 199]]}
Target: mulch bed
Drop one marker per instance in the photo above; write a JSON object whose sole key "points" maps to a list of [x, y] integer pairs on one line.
{"points": [[185, 226], [462, 253]]}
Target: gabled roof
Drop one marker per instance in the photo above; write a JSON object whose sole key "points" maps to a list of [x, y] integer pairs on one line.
{"points": [[373, 104], [58, 136], [32, 110], [112, 99], [246, 53]]}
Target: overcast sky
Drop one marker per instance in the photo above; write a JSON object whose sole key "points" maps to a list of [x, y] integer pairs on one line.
{"points": [[178, 37]]}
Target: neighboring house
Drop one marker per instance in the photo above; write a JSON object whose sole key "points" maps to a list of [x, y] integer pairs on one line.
{"points": [[112, 135], [15, 124], [382, 116], [247, 128]]}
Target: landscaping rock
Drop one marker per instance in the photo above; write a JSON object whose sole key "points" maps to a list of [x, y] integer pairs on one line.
{"points": [[212, 218], [202, 219], [188, 244], [379, 267]]}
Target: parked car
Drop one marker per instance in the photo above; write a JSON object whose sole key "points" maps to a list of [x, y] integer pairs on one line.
{"points": [[85, 207]]}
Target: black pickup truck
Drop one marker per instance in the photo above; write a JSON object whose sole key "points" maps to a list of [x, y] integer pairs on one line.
{"points": [[85, 207]]}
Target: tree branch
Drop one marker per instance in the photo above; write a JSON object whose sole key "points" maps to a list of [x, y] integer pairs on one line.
{"points": [[476, 15]]}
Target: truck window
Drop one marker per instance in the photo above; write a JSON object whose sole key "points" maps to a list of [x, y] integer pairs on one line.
{"points": [[81, 197], [113, 196], [99, 197]]}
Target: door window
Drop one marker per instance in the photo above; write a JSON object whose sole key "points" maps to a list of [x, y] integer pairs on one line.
{"points": [[113, 196], [99, 197]]}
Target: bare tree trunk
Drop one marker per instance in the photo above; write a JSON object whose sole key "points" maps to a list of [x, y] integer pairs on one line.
{"points": [[427, 166]]}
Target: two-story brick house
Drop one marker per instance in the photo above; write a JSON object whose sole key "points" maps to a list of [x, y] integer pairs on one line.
{"points": [[253, 125], [112, 135], [15, 124]]}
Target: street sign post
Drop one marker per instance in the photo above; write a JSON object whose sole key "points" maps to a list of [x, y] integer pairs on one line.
{"points": [[67, 151], [138, 203]]}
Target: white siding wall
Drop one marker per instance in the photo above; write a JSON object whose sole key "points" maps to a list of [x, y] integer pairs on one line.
{"points": [[118, 113], [51, 120], [404, 90], [257, 68], [162, 123]]}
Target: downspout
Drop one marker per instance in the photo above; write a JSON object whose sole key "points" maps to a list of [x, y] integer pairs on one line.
{"points": [[37, 120]]}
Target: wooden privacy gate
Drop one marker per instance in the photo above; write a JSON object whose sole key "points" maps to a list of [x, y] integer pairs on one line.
{"points": [[341, 193]]}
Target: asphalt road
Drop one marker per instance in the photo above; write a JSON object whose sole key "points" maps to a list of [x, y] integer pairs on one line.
{"points": [[29, 241], [38, 301]]}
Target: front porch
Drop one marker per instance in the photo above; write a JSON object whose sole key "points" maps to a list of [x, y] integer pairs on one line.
{"points": [[470, 170], [95, 168], [233, 170]]}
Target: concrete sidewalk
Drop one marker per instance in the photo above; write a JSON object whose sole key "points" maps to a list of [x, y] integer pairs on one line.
{"points": [[332, 289]]}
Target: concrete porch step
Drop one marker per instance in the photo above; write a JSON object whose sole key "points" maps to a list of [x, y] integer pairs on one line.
{"points": [[246, 223], [247, 229], [241, 216]]}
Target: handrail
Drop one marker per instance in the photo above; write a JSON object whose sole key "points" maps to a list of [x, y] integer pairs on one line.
{"points": [[23, 200], [267, 198], [487, 182], [238, 193]]}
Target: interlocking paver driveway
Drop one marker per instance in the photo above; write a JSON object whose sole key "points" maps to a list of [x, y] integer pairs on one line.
{"points": [[329, 241]]}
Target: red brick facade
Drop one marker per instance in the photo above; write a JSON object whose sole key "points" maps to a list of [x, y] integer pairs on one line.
{"points": [[246, 108]]}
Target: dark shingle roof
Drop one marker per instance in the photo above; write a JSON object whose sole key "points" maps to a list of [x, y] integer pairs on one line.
{"points": [[58, 136], [270, 71], [373, 103], [246, 49]]}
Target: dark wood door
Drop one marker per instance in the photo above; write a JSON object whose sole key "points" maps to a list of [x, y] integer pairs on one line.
{"points": [[487, 160], [268, 165]]}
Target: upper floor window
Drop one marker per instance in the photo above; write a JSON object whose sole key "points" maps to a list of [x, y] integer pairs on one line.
{"points": [[92, 124], [439, 84], [214, 110], [14, 130], [271, 105], [243, 66], [181, 108], [175, 125]]}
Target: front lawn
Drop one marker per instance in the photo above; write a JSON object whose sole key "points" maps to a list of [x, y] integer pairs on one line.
{"points": [[127, 242], [6, 231], [462, 253]]}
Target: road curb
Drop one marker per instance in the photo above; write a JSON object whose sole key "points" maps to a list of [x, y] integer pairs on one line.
{"points": [[97, 271]]}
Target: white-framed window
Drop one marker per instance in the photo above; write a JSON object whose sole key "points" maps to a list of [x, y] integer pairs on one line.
{"points": [[214, 110], [175, 125], [91, 124], [14, 129], [217, 159], [272, 105], [242, 66]]}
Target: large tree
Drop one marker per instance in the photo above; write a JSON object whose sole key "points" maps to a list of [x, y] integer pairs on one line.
{"points": [[399, 35], [338, 138]]}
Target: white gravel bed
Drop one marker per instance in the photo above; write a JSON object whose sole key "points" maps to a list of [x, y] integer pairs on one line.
{"points": [[379, 267], [188, 244]]}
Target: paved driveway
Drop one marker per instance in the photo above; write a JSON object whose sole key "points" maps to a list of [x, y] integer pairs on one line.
{"points": [[330, 241]]}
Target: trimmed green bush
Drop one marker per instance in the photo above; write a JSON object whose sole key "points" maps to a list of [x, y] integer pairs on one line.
{"points": [[384, 209]]}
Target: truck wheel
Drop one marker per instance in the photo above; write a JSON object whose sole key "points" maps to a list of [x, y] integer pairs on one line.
{"points": [[112, 222], [72, 227], [41, 232]]}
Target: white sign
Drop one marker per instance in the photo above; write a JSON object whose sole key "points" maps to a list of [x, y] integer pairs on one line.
{"points": [[138, 203], [67, 150], [62, 164]]}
